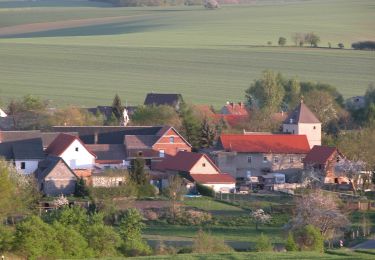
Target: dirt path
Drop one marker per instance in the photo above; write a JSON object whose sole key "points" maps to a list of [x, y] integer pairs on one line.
{"points": [[48, 26]]}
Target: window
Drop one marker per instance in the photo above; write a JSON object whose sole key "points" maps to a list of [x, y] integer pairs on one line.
{"points": [[265, 159], [337, 159], [161, 153], [203, 165], [140, 153], [291, 159], [302, 158], [293, 131], [171, 139], [249, 159], [23, 165], [314, 127], [76, 149], [120, 183], [276, 159]]}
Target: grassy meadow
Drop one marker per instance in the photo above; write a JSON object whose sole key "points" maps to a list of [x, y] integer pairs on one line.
{"points": [[208, 56]]}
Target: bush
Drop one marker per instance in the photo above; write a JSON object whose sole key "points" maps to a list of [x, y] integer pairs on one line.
{"points": [[6, 238], [181, 216], [263, 244], [205, 191], [206, 243], [365, 45], [282, 41], [146, 190], [310, 239], [290, 244]]}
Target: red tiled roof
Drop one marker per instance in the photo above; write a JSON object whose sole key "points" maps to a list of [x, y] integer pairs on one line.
{"points": [[182, 161], [213, 178], [62, 142], [319, 154], [265, 143]]}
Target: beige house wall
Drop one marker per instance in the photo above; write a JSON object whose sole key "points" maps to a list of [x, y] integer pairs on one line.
{"points": [[240, 165], [203, 166], [313, 132]]}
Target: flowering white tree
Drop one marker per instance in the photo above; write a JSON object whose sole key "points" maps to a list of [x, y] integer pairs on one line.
{"points": [[259, 217], [61, 201], [320, 210]]}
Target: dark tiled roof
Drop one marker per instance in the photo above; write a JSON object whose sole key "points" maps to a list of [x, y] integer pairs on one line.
{"points": [[108, 151], [319, 154], [140, 141], [6, 123], [104, 110], [108, 134], [162, 99], [301, 114], [22, 150]]}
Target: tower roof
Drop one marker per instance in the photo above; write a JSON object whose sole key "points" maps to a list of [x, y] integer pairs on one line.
{"points": [[301, 114]]}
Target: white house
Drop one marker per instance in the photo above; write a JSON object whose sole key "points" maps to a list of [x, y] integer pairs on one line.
{"points": [[24, 154], [73, 151], [303, 122], [2, 113]]}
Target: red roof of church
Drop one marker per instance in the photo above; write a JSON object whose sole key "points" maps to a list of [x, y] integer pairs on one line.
{"points": [[319, 154], [213, 178], [265, 143]]}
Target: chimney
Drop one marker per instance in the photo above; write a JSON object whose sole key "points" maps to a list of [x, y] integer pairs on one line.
{"points": [[95, 138]]}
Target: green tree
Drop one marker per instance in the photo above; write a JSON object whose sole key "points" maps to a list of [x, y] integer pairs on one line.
{"points": [[138, 173], [282, 41], [35, 239], [292, 93], [156, 115], [266, 93], [6, 238], [290, 244], [208, 134], [117, 107], [81, 189], [263, 244], [340, 45], [205, 243], [312, 38], [309, 239], [191, 125], [130, 230], [103, 239], [18, 192], [73, 244]]}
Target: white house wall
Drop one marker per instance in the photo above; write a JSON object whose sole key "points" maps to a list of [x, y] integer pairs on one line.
{"points": [[80, 159], [30, 166], [217, 187]]}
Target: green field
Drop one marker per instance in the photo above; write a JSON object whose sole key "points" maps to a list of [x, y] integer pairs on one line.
{"points": [[208, 56]]}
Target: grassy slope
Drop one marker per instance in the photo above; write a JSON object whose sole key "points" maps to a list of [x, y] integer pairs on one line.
{"points": [[182, 49]]}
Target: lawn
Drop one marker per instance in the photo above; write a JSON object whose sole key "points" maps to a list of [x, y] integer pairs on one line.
{"points": [[179, 49], [338, 254]]}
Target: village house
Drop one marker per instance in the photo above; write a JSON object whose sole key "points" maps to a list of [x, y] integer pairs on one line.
{"points": [[197, 168], [158, 99], [254, 154], [108, 178], [73, 151], [301, 121], [328, 162], [109, 156], [55, 177], [23, 154], [152, 143]]}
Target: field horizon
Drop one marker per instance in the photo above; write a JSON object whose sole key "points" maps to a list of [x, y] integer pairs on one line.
{"points": [[84, 53]]}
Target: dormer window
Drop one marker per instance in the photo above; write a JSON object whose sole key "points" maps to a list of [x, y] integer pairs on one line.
{"points": [[77, 149], [171, 139]]}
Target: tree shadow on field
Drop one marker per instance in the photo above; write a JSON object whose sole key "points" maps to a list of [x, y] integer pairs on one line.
{"points": [[91, 30]]}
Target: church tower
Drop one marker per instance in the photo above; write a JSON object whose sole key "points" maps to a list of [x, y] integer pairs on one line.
{"points": [[303, 122]]}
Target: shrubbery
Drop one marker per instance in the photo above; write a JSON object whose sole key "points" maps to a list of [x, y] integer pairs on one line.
{"points": [[205, 191], [205, 243], [263, 243]]}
